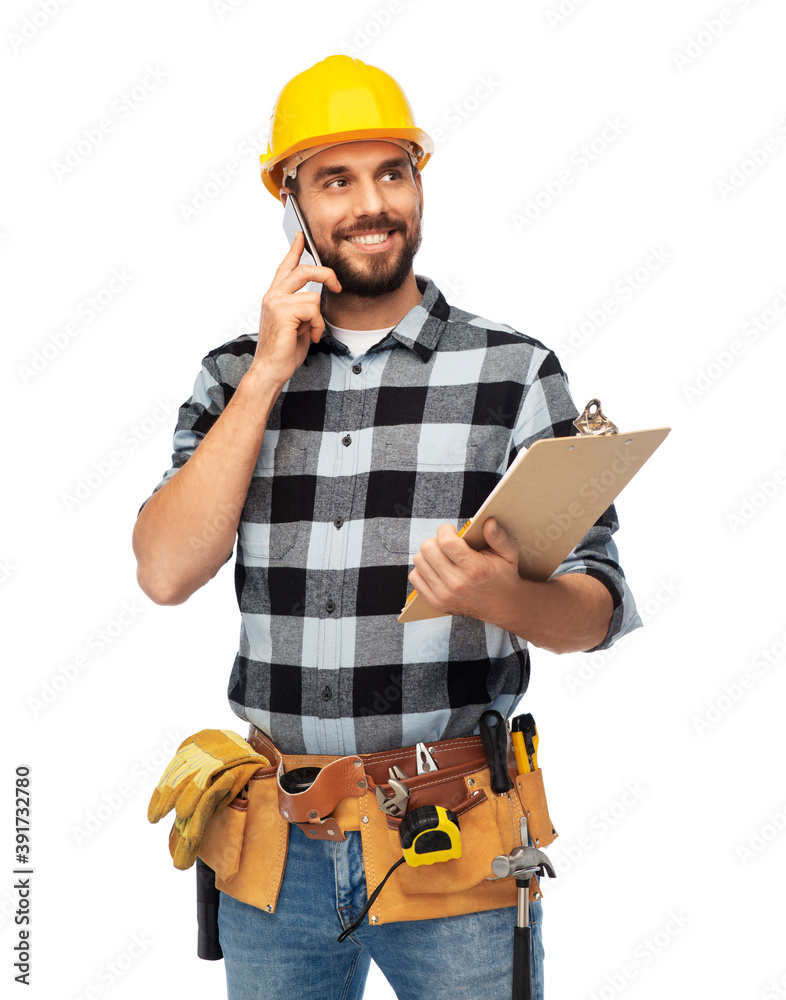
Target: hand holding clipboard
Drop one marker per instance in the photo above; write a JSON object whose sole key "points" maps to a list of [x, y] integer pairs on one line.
{"points": [[553, 493]]}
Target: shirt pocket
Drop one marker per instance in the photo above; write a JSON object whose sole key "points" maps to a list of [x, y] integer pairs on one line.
{"points": [[426, 491], [271, 518]]}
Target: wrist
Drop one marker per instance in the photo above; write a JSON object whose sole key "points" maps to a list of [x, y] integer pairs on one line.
{"points": [[511, 613], [262, 381]]}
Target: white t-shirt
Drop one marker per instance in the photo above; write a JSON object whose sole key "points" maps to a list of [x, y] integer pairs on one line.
{"points": [[358, 341]]}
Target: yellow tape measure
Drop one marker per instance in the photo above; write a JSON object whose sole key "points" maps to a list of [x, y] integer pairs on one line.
{"points": [[429, 834]]}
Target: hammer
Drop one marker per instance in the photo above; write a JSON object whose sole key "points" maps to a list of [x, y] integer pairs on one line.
{"points": [[522, 863]]}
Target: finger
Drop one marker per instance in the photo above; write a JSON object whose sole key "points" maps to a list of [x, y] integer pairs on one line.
{"points": [[425, 589], [438, 585], [303, 273], [305, 309], [434, 567], [291, 258], [317, 327], [310, 272], [295, 311], [499, 540], [453, 546]]}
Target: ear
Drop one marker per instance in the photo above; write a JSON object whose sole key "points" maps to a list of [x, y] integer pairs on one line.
{"points": [[284, 191]]}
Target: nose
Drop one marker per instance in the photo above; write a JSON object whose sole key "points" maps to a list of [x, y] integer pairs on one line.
{"points": [[369, 200]]}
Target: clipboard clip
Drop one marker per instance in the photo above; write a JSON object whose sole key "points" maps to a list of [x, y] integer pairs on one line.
{"points": [[594, 421]]}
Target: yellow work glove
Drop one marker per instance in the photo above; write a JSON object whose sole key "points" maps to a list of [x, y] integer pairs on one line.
{"points": [[207, 772]]}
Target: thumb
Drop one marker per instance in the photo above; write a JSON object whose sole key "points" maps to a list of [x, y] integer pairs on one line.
{"points": [[499, 540]]}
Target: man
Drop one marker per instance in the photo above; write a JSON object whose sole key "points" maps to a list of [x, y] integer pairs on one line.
{"points": [[343, 472]]}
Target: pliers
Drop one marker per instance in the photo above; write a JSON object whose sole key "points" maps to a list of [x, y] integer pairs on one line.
{"points": [[426, 762]]}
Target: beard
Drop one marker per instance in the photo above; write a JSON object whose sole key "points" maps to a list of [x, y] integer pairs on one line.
{"points": [[380, 273]]}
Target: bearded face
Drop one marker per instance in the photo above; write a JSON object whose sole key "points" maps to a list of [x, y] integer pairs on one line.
{"points": [[363, 202], [392, 244]]}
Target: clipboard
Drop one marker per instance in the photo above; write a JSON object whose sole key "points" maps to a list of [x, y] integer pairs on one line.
{"points": [[553, 493]]}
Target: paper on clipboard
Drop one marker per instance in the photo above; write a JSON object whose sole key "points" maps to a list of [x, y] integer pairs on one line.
{"points": [[551, 496]]}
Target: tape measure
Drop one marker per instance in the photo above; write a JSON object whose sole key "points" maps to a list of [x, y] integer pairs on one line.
{"points": [[429, 834]]}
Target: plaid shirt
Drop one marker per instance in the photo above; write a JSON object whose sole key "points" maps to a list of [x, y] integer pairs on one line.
{"points": [[361, 461]]}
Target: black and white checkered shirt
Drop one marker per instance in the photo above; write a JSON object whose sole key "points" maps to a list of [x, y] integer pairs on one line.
{"points": [[361, 461]]}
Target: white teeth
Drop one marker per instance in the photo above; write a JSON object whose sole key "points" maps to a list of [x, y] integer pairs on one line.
{"points": [[376, 238]]}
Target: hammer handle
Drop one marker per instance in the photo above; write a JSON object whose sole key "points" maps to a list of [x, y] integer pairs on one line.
{"points": [[522, 974]]}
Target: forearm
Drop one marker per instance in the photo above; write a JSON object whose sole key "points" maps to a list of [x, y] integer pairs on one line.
{"points": [[565, 615], [187, 530]]}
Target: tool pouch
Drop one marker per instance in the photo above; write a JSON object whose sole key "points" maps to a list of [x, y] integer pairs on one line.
{"points": [[246, 843], [489, 825]]}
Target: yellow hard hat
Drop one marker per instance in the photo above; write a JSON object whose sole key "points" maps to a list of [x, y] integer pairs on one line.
{"points": [[338, 100]]}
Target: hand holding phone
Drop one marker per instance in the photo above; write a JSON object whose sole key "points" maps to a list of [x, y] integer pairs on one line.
{"points": [[288, 321], [294, 223]]}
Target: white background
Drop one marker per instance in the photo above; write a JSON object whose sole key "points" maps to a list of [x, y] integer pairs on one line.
{"points": [[672, 851]]}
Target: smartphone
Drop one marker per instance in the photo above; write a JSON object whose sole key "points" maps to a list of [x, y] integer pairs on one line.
{"points": [[294, 223]]}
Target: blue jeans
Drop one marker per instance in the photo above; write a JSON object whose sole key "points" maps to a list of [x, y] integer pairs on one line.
{"points": [[293, 954]]}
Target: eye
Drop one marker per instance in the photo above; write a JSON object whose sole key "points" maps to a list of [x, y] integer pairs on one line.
{"points": [[395, 174], [337, 181]]}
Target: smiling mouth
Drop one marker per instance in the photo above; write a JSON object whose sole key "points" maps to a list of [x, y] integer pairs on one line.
{"points": [[370, 239]]}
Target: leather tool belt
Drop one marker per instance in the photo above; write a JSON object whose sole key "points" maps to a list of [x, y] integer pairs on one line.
{"points": [[246, 843]]}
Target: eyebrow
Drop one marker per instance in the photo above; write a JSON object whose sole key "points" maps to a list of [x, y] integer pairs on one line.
{"points": [[323, 172]]}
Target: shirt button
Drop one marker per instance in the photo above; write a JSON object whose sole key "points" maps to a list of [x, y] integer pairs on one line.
{"points": [[338, 522], [327, 694], [330, 607], [346, 441], [356, 369]]}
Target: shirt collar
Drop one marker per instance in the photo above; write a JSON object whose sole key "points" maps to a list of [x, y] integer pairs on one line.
{"points": [[422, 327], [419, 330]]}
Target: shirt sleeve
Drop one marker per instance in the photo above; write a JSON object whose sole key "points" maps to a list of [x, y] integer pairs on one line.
{"points": [[547, 410], [195, 418]]}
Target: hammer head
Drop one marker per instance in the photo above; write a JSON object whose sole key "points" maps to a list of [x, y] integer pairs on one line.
{"points": [[522, 862]]}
